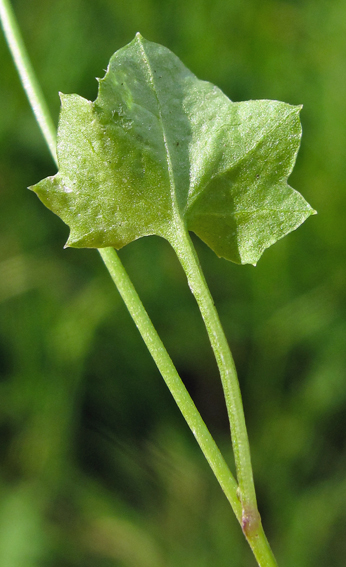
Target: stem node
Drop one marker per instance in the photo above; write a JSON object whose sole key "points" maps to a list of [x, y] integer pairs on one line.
{"points": [[250, 522]]}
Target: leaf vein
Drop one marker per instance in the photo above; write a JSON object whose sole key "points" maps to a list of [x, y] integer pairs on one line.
{"points": [[164, 135], [248, 212]]}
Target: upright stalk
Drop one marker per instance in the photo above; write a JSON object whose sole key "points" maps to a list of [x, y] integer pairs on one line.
{"points": [[27, 76], [251, 520], [187, 256], [171, 377]]}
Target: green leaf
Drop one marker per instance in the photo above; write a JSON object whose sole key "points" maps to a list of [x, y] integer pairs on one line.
{"points": [[160, 151]]}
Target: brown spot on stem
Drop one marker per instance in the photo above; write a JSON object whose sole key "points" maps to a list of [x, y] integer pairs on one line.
{"points": [[250, 522]]}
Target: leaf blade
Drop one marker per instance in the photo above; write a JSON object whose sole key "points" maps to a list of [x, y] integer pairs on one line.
{"points": [[159, 149]]}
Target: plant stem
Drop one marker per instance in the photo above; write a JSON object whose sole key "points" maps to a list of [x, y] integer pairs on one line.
{"points": [[251, 521], [171, 377], [27, 75], [187, 256]]}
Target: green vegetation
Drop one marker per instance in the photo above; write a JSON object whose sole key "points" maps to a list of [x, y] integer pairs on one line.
{"points": [[161, 152], [43, 450]]}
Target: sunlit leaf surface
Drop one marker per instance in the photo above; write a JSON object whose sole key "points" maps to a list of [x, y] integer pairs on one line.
{"points": [[160, 149]]}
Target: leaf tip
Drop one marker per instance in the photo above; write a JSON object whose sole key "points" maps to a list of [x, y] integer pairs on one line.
{"points": [[139, 38], [310, 212], [62, 97], [71, 241]]}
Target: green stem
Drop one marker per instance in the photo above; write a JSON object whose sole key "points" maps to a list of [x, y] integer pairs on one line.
{"points": [[251, 521], [187, 256], [171, 377], [254, 533], [27, 75]]}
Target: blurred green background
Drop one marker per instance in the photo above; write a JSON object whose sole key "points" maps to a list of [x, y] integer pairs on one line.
{"points": [[98, 468]]}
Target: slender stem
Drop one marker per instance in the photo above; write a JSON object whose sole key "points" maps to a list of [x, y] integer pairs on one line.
{"points": [[256, 538], [251, 521], [27, 75], [171, 377], [261, 549], [185, 251]]}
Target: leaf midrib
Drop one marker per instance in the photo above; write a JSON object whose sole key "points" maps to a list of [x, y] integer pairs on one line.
{"points": [[164, 136]]}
